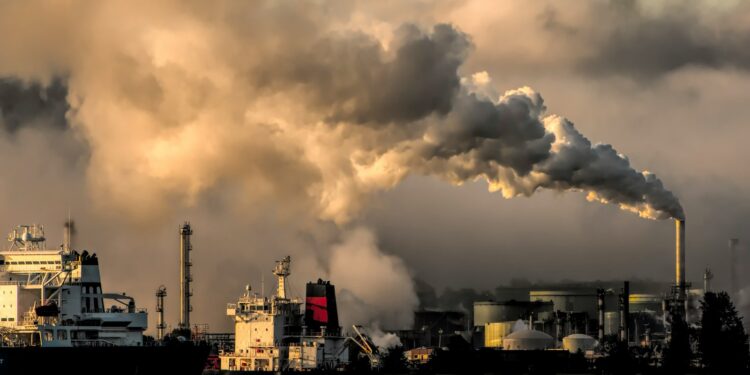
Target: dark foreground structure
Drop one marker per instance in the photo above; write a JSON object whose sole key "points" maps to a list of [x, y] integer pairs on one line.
{"points": [[178, 359]]}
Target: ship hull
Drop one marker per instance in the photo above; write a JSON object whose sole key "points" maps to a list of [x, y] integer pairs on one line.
{"points": [[146, 360]]}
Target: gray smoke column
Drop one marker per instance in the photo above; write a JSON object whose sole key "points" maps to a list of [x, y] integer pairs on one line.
{"points": [[294, 103]]}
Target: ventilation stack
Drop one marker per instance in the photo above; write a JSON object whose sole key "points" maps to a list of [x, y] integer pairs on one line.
{"points": [[160, 325], [185, 276]]}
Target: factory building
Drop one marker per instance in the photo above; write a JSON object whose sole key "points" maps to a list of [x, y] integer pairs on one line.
{"points": [[433, 327]]}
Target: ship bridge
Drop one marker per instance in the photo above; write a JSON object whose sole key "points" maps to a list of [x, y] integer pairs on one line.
{"points": [[54, 297]]}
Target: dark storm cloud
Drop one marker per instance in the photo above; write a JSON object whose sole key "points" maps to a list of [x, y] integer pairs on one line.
{"points": [[32, 104], [647, 46]]}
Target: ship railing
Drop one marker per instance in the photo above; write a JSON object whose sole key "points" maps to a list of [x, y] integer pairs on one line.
{"points": [[10, 282], [92, 343]]}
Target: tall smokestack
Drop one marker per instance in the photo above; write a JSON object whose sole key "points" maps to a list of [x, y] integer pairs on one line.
{"points": [[734, 260], [625, 312], [185, 277], [680, 257], [160, 325], [600, 294]]}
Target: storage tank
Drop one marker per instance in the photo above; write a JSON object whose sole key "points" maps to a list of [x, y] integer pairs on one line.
{"points": [[578, 342], [642, 302], [528, 339], [611, 323], [486, 312], [494, 333], [579, 300]]}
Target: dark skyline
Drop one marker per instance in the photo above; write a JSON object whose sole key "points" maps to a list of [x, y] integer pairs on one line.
{"points": [[251, 121]]}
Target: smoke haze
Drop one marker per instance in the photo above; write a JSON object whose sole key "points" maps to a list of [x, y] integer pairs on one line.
{"points": [[313, 129]]}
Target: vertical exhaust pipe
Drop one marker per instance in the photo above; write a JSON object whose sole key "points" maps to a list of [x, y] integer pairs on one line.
{"points": [[680, 257], [160, 325], [600, 293], [185, 276], [625, 312]]}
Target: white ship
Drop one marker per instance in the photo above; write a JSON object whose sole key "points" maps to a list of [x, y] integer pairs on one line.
{"points": [[54, 298], [273, 334]]}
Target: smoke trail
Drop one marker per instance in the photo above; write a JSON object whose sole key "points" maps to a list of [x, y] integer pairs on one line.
{"points": [[374, 289], [179, 102], [188, 98]]}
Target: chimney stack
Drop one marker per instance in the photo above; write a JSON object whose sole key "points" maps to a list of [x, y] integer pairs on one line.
{"points": [[680, 258], [185, 276], [160, 325], [600, 294], [624, 312]]}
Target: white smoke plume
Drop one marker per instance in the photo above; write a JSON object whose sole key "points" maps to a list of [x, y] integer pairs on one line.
{"points": [[373, 288], [296, 105], [384, 341], [176, 98]]}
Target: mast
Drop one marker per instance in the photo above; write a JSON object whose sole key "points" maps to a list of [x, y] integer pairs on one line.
{"points": [[282, 272]]}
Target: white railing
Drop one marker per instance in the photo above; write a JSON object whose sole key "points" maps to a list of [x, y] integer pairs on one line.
{"points": [[91, 342]]}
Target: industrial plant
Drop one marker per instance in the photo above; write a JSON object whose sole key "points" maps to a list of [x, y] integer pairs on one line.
{"points": [[53, 298]]}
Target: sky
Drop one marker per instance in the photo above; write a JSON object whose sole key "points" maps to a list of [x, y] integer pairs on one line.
{"points": [[462, 143]]}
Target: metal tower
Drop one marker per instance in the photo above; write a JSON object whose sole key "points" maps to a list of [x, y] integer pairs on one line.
{"points": [[185, 276], [160, 325]]}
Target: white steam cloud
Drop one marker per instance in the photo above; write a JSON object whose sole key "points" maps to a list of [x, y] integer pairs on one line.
{"points": [[370, 284], [290, 103]]}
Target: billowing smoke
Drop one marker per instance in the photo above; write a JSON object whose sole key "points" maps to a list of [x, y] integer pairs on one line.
{"points": [[370, 284], [179, 102], [189, 98]]}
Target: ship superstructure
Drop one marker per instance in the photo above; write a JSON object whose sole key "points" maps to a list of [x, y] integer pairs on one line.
{"points": [[54, 297], [273, 334]]}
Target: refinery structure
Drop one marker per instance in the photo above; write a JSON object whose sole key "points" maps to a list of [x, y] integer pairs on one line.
{"points": [[54, 298]]}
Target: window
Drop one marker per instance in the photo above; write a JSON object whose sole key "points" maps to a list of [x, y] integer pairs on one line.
{"points": [[2, 261], [62, 334]]}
